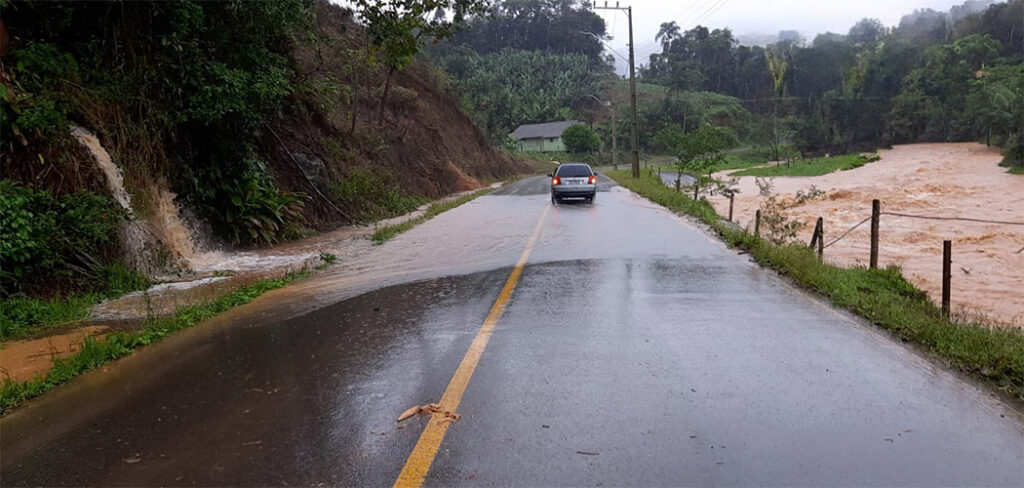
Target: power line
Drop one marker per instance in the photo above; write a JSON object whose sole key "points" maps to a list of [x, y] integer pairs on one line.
{"points": [[696, 15], [609, 46], [720, 4], [701, 5]]}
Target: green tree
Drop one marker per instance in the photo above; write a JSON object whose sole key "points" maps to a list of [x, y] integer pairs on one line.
{"points": [[579, 138], [550, 26], [996, 108], [697, 152], [396, 27]]}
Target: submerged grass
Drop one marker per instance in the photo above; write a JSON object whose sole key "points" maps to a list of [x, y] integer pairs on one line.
{"points": [[882, 296], [23, 316], [95, 353], [385, 232]]}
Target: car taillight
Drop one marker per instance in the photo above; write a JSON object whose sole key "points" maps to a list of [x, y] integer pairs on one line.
{"points": [[592, 180], [556, 181]]}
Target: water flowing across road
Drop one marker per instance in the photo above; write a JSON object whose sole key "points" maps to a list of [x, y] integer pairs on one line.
{"points": [[635, 349]]}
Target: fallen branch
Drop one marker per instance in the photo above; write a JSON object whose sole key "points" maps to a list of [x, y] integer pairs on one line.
{"points": [[430, 408]]}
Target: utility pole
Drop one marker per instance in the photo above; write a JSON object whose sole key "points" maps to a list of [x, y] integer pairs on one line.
{"points": [[632, 86], [615, 142]]}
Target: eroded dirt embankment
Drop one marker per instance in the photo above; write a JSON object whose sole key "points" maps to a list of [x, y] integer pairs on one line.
{"points": [[938, 180]]}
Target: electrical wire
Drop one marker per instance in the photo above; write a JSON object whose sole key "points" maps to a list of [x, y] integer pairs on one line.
{"points": [[714, 9]]}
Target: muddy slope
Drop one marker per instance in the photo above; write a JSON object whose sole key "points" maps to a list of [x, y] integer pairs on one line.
{"points": [[422, 140]]}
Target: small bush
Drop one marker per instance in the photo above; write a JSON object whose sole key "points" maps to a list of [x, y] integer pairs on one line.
{"points": [[41, 234], [29, 94], [1013, 153], [256, 211], [372, 194]]}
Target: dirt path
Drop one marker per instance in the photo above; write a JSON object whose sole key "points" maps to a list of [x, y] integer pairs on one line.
{"points": [[948, 180]]}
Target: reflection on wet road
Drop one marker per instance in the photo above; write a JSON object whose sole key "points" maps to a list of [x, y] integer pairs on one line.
{"points": [[635, 350]]}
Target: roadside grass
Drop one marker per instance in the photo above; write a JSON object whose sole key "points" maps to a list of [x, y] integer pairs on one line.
{"points": [[95, 353], [1016, 170], [741, 161], [732, 161], [23, 316], [540, 166], [882, 296], [385, 232], [372, 194], [810, 167]]}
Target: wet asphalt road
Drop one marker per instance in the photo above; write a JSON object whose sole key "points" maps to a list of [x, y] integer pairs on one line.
{"points": [[635, 350]]}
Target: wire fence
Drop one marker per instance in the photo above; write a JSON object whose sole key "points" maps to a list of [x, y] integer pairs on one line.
{"points": [[817, 238], [925, 217]]}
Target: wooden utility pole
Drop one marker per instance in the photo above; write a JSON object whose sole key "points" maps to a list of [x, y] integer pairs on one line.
{"points": [[615, 141], [632, 86], [947, 266], [876, 212]]}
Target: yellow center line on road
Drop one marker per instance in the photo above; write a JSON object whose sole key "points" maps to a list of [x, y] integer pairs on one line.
{"points": [[422, 456]]}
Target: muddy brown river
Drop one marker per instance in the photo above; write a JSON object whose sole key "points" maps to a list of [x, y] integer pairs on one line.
{"points": [[938, 180]]}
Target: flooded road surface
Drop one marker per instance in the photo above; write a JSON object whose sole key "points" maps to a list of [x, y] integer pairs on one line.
{"points": [[634, 350]]}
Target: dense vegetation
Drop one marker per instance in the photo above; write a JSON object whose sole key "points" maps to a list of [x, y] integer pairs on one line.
{"points": [[528, 61], [935, 77], [266, 119]]}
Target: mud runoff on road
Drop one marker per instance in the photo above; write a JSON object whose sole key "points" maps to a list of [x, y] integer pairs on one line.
{"points": [[938, 180]]}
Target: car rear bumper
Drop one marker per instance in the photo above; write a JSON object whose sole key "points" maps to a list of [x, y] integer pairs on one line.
{"points": [[574, 191]]}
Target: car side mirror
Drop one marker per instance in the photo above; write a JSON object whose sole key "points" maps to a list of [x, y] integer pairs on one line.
{"points": [[550, 175]]}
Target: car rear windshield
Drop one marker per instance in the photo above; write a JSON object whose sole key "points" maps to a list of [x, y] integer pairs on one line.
{"points": [[573, 170]]}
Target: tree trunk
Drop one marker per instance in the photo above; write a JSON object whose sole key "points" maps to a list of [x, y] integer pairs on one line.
{"points": [[384, 97]]}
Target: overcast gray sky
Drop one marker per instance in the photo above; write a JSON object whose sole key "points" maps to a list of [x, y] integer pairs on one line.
{"points": [[810, 17]]}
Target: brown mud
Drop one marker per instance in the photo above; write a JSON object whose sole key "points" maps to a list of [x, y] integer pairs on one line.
{"points": [[23, 360]]}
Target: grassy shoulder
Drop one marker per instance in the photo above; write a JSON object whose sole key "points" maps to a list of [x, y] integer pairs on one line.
{"points": [[810, 167], [386, 232], [95, 353], [741, 160], [22, 316], [882, 296]]}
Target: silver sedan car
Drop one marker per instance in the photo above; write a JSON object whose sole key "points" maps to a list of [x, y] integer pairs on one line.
{"points": [[573, 181]]}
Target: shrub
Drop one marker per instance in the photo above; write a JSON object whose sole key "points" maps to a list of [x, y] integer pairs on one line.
{"points": [[41, 234], [1013, 152], [580, 139], [372, 194], [256, 211], [30, 108]]}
